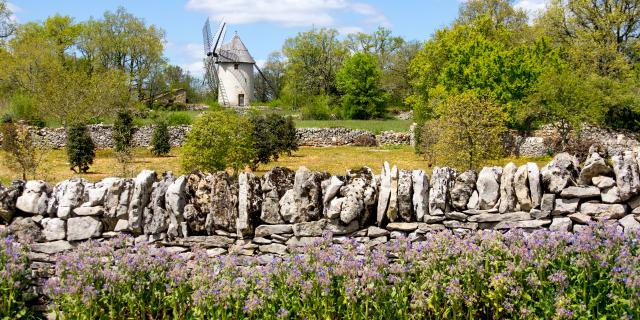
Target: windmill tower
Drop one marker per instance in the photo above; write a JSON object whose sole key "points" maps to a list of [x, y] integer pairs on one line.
{"points": [[229, 67]]}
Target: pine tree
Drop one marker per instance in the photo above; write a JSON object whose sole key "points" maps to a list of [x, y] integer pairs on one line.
{"points": [[160, 139], [80, 148], [123, 131]]}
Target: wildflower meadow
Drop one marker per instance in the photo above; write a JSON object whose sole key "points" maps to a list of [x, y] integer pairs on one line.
{"points": [[484, 275]]}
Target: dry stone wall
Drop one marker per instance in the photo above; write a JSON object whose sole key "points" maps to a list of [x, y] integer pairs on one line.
{"points": [[285, 208]]}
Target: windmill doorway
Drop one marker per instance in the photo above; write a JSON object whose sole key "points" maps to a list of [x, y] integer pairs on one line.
{"points": [[241, 100]]}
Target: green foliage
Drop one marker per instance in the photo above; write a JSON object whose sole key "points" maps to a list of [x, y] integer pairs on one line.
{"points": [[467, 133], [219, 140], [318, 108], [273, 134], [359, 82], [160, 140], [123, 131], [80, 148], [179, 118], [23, 107], [23, 152]]}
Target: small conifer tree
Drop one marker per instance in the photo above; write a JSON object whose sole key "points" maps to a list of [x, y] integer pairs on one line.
{"points": [[80, 148], [123, 131], [160, 139]]}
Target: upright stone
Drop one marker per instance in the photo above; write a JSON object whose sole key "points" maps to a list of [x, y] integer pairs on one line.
{"points": [[83, 228], [392, 210], [508, 199], [462, 189], [174, 203], [330, 188], [274, 184], [140, 197], [8, 198], [420, 194], [359, 196], [405, 191], [34, 198], [249, 203], [535, 188], [304, 202], [520, 183], [559, 173], [69, 194], [488, 186], [156, 217], [625, 168], [224, 203], [441, 183], [384, 193]]}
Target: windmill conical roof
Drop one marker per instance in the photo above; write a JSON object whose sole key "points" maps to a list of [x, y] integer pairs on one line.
{"points": [[235, 51]]}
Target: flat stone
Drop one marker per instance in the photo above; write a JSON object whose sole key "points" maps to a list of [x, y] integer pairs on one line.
{"points": [[561, 224], [630, 224], [83, 228], [539, 214], [603, 182], [52, 247], [121, 225], [310, 229], [423, 227], [433, 219], [565, 206], [454, 224], [89, 211], [206, 241], [634, 202], [603, 211], [527, 224], [594, 166], [455, 215], [269, 229], [397, 235], [338, 228], [493, 217], [374, 232], [402, 226], [580, 218], [376, 242], [274, 248], [580, 192], [303, 241], [261, 240], [215, 252]]}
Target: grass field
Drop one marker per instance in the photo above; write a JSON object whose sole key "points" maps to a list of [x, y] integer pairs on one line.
{"points": [[336, 160]]}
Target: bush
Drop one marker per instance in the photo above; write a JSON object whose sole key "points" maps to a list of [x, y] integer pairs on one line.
{"points": [[177, 118], [318, 108], [359, 82], [123, 131], [484, 275], [15, 290], [23, 108], [218, 140], [80, 148], [160, 145], [467, 133], [23, 152], [273, 134], [365, 140]]}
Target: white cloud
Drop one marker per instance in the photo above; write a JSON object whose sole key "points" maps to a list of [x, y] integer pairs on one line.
{"points": [[14, 9], [194, 68], [531, 6], [349, 29], [286, 12]]}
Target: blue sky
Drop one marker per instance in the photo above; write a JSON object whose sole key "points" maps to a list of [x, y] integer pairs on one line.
{"points": [[263, 25]]}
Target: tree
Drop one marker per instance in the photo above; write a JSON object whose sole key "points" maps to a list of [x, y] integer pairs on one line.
{"points": [[359, 82], [123, 131], [7, 25], [273, 71], [566, 99], [23, 152], [273, 135], [598, 34], [288, 137], [467, 133], [80, 148], [219, 140], [160, 145], [313, 59]]}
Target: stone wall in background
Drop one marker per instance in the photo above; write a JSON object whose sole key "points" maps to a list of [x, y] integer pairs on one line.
{"points": [[538, 143], [285, 208]]}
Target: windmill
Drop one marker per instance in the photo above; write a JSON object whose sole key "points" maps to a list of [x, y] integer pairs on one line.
{"points": [[229, 67]]}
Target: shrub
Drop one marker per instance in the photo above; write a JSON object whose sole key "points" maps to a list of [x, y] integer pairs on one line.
{"points": [[273, 134], [160, 145], [359, 82], [123, 131], [23, 108], [14, 280], [80, 148], [365, 140], [484, 275], [288, 137], [218, 140], [177, 118], [468, 131], [23, 152], [317, 108]]}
